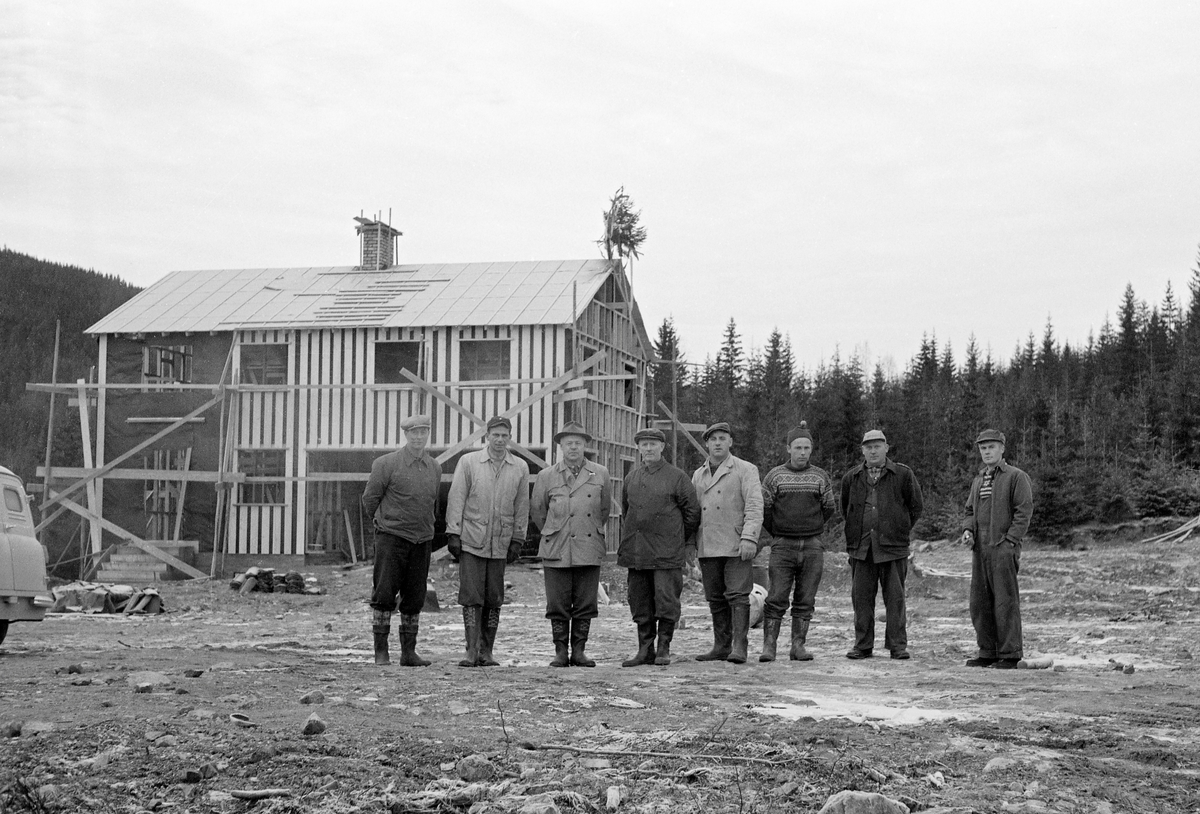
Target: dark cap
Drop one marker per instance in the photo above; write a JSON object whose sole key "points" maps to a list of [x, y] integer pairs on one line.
{"points": [[572, 428], [499, 421], [990, 435], [874, 435], [720, 426], [799, 432], [414, 422], [650, 434]]}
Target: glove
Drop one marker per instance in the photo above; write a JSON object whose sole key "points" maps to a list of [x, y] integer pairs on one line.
{"points": [[454, 545], [747, 550], [514, 551]]}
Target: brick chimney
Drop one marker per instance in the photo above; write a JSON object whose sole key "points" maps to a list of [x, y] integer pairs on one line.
{"points": [[378, 242]]}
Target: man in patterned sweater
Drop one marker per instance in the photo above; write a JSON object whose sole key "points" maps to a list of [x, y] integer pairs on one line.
{"points": [[797, 503]]}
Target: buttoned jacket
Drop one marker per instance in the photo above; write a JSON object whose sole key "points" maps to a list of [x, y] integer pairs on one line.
{"points": [[572, 516], [731, 507], [899, 504], [1011, 507], [488, 511], [661, 513]]}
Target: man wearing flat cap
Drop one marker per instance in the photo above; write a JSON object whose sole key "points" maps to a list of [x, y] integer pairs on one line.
{"points": [[797, 503], [571, 502], [401, 498], [661, 513], [731, 513], [999, 508], [881, 501], [487, 518]]}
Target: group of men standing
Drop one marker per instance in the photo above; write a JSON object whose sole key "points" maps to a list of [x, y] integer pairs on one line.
{"points": [[721, 517]]}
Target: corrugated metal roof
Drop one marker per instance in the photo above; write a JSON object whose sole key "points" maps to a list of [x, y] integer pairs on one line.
{"points": [[520, 293]]}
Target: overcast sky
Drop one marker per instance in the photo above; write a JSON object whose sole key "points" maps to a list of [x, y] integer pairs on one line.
{"points": [[855, 174]]}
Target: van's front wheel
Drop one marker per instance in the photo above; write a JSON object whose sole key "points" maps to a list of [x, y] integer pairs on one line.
{"points": [[3, 630]]}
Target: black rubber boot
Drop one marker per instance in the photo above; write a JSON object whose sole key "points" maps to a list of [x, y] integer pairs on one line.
{"points": [[560, 633], [409, 627], [472, 627], [799, 637], [645, 653], [666, 631], [722, 636], [740, 634], [579, 636], [770, 638], [487, 637], [381, 644]]}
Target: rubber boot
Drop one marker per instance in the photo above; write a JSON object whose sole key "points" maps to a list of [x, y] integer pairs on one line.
{"points": [[381, 644], [410, 625], [722, 637], [579, 636], [770, 638], [472, 626], [487, 637], [560, 633], [799, 637], [740, 632], [666, 631], [645, 653]]}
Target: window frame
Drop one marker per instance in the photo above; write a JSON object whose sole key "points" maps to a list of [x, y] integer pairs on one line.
{"points": [[264, 365], [395, 378], [262, 463], [472, 375]]}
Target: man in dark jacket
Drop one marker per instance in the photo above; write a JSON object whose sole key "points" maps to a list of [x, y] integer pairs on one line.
{"points": [[999, 509], [400, 498], [661, 514], [881, 501]]}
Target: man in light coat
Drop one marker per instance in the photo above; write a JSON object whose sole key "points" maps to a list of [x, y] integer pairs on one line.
{"points": [[999, 509], [487, 518], [731, 516], [571, 502]]}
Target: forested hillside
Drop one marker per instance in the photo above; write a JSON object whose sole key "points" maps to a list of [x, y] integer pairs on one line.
{"points": [[1109, 430], [33, 294]]}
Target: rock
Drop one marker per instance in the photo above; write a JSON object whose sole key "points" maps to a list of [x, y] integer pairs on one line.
{"points": [[314, 725], [262, 753], [936, 779], [540, 804], [10, 729], [31, 728], [474, 768], [147, 677], [1128, 669], [458, 708], [329, 627], [153, 734], [48, 792], [862, 802], [202, 714], [999, 764], [192, 673], [314, 697], [208, 770], [167, 742], [74, 669], [144, 687], [190, 776], [613, 795]]}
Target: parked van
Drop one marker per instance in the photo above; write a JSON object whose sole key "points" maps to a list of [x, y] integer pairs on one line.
{"points": [[23, 593]]}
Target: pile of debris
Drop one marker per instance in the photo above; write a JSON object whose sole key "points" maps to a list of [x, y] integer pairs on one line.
{"points": [[267, 581], [97, 597]]}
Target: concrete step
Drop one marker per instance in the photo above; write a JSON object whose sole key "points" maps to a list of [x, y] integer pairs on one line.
{"points": [[130, 576]]}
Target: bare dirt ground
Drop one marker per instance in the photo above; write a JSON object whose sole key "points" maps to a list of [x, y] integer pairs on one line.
{"points": [[693, 736]]}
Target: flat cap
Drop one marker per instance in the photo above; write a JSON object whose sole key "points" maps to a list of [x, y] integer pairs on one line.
{"points": [[650, 434], [498, 421], [720, 426], [989, 435], [874, 435], [414, 422], [572, 428]]}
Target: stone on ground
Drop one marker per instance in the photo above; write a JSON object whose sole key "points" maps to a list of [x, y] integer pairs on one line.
{"points": [[862, 802]]}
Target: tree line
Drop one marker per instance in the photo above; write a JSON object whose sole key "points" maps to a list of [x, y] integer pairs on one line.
{"points": [[1108, 430]]}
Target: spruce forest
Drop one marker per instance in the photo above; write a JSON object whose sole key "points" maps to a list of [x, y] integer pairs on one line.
{"points": [[1109, 431]]}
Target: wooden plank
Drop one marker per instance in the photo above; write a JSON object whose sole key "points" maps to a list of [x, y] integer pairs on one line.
{"points": [[85, 431], [132, 539], [350, 536], [532, 398], [115, 462], [187, 464], [687, 435]]}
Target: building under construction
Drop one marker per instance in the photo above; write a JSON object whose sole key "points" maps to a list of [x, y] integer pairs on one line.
{"points": [[236, 413]]}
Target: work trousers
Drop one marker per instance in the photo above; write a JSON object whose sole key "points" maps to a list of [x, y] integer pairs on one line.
{"points": [[996, 601], [480, 581], [796, 562], [727, 582], [572, 593], [401, 570], [654, 594], [866, 578]]}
